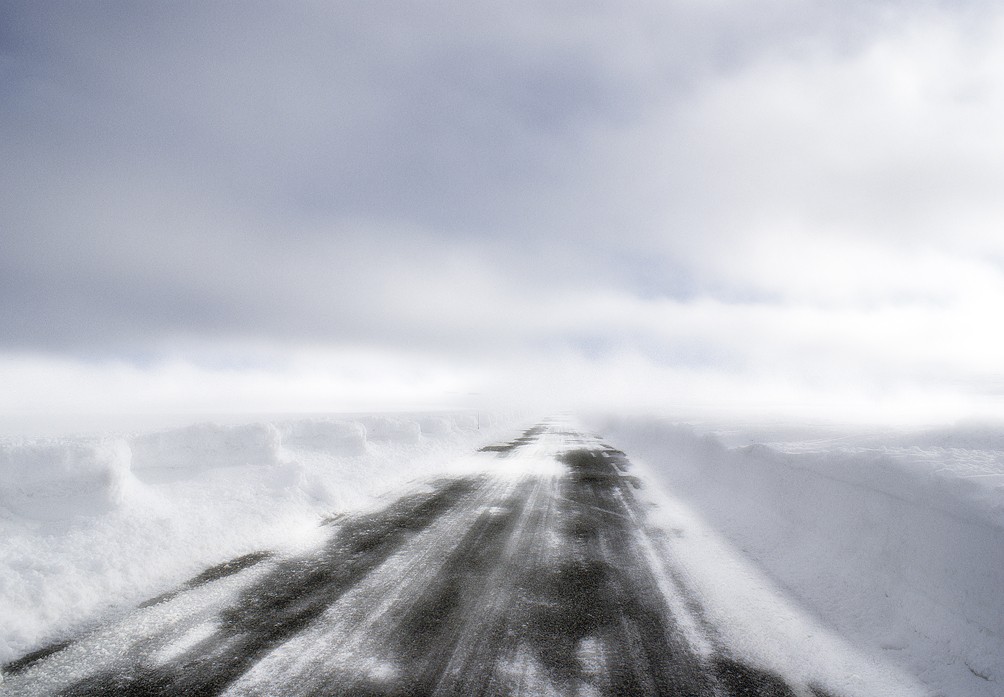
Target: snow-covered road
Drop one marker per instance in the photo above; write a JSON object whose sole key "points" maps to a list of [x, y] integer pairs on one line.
{"points": [[541, 576]]}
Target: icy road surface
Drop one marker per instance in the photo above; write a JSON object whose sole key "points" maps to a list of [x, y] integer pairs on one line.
{"points": [[539, 577]]}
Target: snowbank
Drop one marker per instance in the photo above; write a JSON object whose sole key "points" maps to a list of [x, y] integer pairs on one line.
{"points": [[393, 430], [57, 479], [207, 445], [436, 426], [332, 436], [899, 547]]}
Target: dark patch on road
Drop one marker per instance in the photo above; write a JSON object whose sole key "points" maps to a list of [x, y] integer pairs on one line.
{"points": [[426, 638], [734, 677], [283, 603], [529, 436], [162, 598], [605, 594], [498, 448], [26, 661], [213, 573], [742, 680], [228, 568]]}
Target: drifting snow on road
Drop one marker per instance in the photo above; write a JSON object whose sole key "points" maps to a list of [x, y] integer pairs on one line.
{"points": [[539, 576]]}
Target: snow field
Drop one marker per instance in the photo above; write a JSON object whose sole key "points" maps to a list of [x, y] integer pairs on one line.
{"points": [[898, 542]]}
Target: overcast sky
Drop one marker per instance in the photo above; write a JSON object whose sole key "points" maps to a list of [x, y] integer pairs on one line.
{"points": [[765, 206]]}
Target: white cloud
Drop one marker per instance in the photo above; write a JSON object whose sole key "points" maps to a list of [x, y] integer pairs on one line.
{"points": [[895, 139]]}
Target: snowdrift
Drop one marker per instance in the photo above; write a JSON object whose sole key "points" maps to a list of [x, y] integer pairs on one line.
{"points": [[335, 437], [208, 445], [901, 547], [53, 479], [393, 430], [61, 478]]}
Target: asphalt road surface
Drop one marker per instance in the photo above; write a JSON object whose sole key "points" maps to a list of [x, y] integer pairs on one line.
{"points": [[542, 581]]}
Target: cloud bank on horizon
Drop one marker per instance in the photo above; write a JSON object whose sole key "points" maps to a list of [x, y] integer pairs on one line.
{"points": [[318, 206]]}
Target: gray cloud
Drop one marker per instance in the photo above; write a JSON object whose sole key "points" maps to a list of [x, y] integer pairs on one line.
{"points": [[501, 182]]}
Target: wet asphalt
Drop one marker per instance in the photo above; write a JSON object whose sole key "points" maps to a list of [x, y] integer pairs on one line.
{"points": [[533, 584]]}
